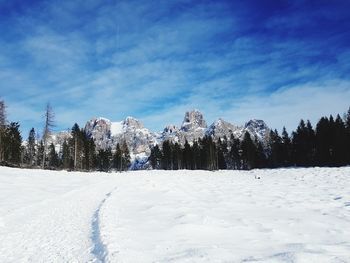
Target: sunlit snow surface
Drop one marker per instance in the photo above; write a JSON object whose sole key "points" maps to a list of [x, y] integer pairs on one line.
{"points": [[288, 215], [116, 128]]}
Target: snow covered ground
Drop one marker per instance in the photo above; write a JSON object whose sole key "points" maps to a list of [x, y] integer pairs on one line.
{"points": [[289, 215]]}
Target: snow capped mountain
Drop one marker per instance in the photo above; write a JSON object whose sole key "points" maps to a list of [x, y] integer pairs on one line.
{"points": [[221, 128], [170, 133], [140, 140], [100, 130], [194, 127], [193, 120], [258, 129], [171, 129], [107, 134]]}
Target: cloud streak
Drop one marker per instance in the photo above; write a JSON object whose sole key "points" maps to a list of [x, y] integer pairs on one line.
{"points": [[155, 60]]}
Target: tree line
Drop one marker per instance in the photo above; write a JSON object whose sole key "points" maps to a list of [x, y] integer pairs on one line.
{"points": [[77, 152], [328, 144]]}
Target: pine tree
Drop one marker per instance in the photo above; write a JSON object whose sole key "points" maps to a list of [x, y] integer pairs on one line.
{"points": [[53, 157], [196, 152], [310, 142], [208, 153], [90, 153], [126, 160], [40, 154], [222, 153], [260, 158], [205, 159], [286, 148], [303, 145], [166, 155], [340, 149], [76, 145], [213, 153], [234, 153], [276, 149], [248, 152], [67, 161], [187, 156], [176, 156], [104, 160], [155, 157], [202, 152], [117, 158], [13, 142], [323, 142], [2, 129], [347, 143], [31, 147]]}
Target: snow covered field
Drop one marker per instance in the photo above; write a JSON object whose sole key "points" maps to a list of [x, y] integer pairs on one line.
{"points": [[289, 215]]}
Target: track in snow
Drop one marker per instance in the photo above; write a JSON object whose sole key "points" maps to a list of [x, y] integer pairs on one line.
{"points": [[99, 249], [289, 215]]}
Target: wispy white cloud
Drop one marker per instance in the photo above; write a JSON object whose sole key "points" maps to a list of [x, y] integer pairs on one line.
{"points": [[287, 106], [284, 107], [155, 60]]}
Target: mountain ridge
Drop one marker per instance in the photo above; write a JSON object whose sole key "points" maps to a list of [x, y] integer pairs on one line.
{"points": [[140, 140]]}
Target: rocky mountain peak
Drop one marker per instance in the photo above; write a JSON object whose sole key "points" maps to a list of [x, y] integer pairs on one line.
{"points": [[221, 128], [100, 125], [134, 123], [140, 140], [193, 119], [100, 130], [170, 129], [258, 128], [256, 124]]}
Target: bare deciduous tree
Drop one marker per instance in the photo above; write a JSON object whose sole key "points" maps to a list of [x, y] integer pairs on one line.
{"points": [[49, 124]]}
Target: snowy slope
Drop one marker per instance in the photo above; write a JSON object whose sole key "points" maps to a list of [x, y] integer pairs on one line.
{"points": [[48, 216], [289, 215]]}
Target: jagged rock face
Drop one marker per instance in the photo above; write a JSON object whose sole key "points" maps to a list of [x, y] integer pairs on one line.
{"points": [[258, 129], [100, 130], [193, 127], [193, 120], [108, 134], [170, 129], [132, 122], [221, 128], [190, 135], [140, 140], [170, 133]]}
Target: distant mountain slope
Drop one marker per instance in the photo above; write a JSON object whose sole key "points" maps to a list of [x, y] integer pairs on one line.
{"points": [[140, 140]]}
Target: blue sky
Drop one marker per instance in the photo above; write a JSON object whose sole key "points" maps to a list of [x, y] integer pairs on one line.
{"points": [[274, 60]]}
